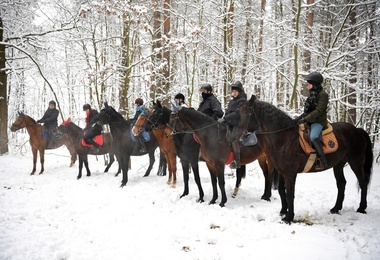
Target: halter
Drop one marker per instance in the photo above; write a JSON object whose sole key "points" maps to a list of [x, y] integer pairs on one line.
{"points": [[18, 126]]}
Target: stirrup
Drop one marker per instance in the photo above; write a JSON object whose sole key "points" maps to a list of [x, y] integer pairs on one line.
{"points": [[233, 165], [319, 166]]}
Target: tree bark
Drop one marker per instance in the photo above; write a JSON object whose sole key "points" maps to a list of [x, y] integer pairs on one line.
{"points": [[3, 96]]}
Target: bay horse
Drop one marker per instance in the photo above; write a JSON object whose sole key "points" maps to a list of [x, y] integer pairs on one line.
{"points": [[185, 147], [123, 145], [75, 133], [38, 143], [214, 146], [279, 135], [166, 146]]}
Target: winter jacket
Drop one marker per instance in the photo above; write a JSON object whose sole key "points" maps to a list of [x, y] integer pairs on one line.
{"points": [[140, 110], [317, 113], [211, 107], [50, 118], [97, 129], [232, 116]]}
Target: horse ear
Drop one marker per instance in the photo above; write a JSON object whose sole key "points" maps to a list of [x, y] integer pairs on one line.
{"points": [[251, 100], [20, 113], [159, 104], [67, 121], [106, 105]]}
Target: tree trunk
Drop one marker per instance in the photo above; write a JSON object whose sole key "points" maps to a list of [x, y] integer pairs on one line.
{"points": [[353, 69], [309, 41], [166, 72], [3, 97]]}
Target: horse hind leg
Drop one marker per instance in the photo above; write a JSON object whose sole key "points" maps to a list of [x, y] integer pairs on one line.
{"points": [[42, 161], [151, 162], [341, 185], [34, 152], [363, 184], [240, 174]]}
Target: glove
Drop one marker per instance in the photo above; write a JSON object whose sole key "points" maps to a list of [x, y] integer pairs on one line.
{"points": [[301, 120], [221, 120]]}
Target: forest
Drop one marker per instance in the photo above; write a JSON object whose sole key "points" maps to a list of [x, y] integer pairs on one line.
{"points": [[92, 51]]}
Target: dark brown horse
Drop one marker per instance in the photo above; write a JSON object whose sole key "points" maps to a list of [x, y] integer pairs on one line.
{"points": [[279, 137], [38, 142], [123, 144], [214, 147], [75, 133], [166, 146]]}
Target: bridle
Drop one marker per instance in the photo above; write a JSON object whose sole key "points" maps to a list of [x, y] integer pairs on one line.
{"points": [[18, 126]]}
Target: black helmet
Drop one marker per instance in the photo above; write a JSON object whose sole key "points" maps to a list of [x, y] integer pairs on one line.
{"points": [[139, 101], [86, 106], [179, 96], [315, 78], [237, 86], [52, 102], [206, 87]]}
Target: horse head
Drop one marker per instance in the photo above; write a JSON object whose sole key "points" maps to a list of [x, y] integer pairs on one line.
{"points": [[138, 127], [19, 122]]}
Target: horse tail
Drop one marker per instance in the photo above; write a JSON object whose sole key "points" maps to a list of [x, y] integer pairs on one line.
{"points": [[368, 163]]}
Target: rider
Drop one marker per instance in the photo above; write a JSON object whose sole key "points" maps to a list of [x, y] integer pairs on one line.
{"points": [[210, 104], [180, 100], [315, 113], [140, 109], [50, 120], [232, 118], [91, 130]]}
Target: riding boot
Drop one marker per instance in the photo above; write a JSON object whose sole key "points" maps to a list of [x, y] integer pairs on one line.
{"points": [[53, 138], [322, 158], [95, 144], [142, 144], [236, 149]]}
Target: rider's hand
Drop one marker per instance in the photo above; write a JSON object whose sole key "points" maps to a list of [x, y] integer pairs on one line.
{"points": [[221, 120]]}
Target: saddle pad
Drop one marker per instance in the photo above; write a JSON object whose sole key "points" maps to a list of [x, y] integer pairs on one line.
{"points": [[329, 140], [230, 158], [98, 139], [196, 138], [145, 135]]}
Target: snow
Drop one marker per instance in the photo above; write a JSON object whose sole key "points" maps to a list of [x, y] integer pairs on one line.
{"points": [[56, 216]]}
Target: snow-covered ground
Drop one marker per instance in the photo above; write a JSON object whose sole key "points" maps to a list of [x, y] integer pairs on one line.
{"points": [[55, 216]]}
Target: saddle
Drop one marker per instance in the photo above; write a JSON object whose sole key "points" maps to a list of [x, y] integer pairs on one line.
{"points": [[57, 134], [330, 143], [98, 139], [144, 134]]}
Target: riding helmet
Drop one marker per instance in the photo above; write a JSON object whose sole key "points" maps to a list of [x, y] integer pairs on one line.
{"points": [[206, 87], [179, 96], [139, 101], [52, 102], [237, 86], [86, 106], [315, 78]]}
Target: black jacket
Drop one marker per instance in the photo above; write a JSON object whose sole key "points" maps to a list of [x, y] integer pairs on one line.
{"points": [[211, 107], [232, 116], [50, 118], [93, 125]]}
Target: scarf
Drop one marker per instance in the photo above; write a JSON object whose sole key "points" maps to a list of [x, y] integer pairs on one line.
{"points": [[311, 101]]}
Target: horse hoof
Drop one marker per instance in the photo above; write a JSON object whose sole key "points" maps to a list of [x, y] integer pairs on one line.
{"points": [[200, 200], [222, 205], [361, 211], [78, 178], [265, 198]]}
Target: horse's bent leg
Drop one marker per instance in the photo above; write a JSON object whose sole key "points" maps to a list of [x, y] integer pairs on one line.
{"points": [[194, 165], [240, 174], [42, 160], [34, 152], [112, 159], [290, 182], [185, 170], [282, 193], [151, 162], [341, 185]]}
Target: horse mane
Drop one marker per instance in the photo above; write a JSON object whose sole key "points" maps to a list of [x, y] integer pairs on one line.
{"points": [[196, 116], [276, 115]]}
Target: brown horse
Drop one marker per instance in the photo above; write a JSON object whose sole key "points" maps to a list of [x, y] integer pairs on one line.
{"points": [[279, 135], [166, 146], [75, 133], [38, 142]]}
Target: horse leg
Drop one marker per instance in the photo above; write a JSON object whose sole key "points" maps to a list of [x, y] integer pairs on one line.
{"points": [[268, 179], [119, 168], [240, 174], [194, 165], [173, 169], [124, 166], [42, 160], [86, 165], [221, 182], [185, 170], [34, 152], [214, 188], [290, 182], [282, 193], [341, 185], [112, 159], [80, 167], [162, 167], [359, 171], [73, 154], [151, 162]]}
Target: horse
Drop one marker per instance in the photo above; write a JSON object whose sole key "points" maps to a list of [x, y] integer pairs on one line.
{"points": [[214, 147], [75, 133], [278, 133], [38, 142], [186, 148], [166, 146], [123, 144]]}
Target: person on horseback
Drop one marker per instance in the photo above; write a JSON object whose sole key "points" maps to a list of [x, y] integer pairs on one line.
{"points": [[315, 113], [50, 121], [91, 130], [210, 104], [140, 109], [232, 119], [180, 100]]}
